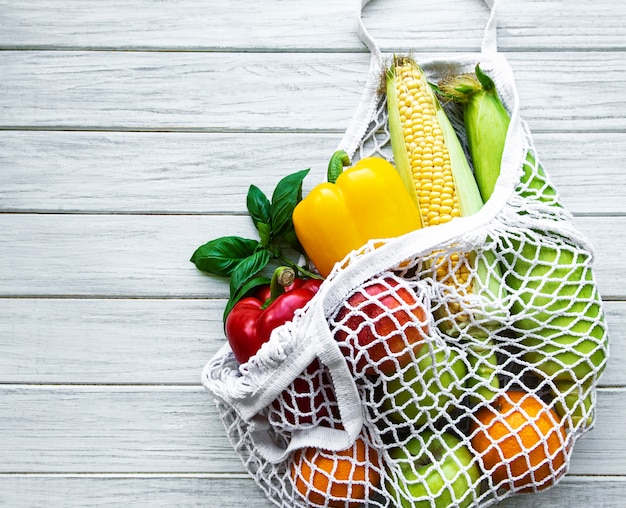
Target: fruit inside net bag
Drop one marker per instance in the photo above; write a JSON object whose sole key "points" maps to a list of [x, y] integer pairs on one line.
{"points": [[430, 438], [476, 354], [475, 359]]}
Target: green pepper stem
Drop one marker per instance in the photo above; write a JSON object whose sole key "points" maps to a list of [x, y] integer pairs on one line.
{"points": [[282, 277], [337, 162], [299, 269]]}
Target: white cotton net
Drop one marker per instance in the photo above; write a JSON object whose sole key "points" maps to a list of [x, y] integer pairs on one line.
{"points": [[475, 351]]}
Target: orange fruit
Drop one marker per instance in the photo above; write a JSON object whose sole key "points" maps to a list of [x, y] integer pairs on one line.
{"points": [[343, 478], [521, 441]]}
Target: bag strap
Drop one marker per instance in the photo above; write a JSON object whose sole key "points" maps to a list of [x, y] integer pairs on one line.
{"points": [[489, 43], [369, 98], [324, 346], [490, 40]]}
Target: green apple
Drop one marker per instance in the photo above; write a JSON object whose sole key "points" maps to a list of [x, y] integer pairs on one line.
{"points": [[424, 389], [433, 468], [576, 401]]}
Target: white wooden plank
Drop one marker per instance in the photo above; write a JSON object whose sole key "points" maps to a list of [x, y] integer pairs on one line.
{"points": [[178, 24], [21, 491], [596, 491], [586, 169], [162, 172], [127, 491], [135, 429], [301, 25], [263, 91], [524, 24], [112, 429], [616, 320], [86, 255], [87, 341], [151, 172], [216, 91], [148, 255]]}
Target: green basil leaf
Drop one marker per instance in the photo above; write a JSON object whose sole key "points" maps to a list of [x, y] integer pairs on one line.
{"points": [[265, 232], [258, 206], [287, 195], [222, 255], [244, 290], [247, 268]]}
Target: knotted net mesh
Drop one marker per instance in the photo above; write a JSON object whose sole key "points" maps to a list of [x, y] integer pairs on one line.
{"points": [[476, 364]]}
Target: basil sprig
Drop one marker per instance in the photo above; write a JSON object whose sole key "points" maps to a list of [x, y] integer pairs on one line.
{"points": [[243, 259]]}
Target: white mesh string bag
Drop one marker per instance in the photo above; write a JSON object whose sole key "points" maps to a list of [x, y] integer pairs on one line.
{"points": [[408, 380]]}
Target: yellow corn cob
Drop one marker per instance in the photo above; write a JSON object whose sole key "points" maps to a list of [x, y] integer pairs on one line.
{"points": [[425, 154], [433, 165], [425, 146]]}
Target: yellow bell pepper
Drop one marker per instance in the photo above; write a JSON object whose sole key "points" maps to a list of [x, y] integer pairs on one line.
{"points": [[365, 202]]}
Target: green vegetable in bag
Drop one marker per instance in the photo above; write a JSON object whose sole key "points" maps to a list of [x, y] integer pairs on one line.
{"points": [[564, 334]]}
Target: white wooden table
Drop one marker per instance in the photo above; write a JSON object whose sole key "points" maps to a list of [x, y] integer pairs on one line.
{"points": [[129, 133]]}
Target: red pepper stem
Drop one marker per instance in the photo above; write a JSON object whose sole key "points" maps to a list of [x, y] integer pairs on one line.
{"points": [[337, 162], [283, 276]]}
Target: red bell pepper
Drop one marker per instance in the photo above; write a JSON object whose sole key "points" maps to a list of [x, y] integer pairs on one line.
{"points": [[252, 319]]}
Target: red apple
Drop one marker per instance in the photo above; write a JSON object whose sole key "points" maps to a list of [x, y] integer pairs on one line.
{"points": [[381, 327]]}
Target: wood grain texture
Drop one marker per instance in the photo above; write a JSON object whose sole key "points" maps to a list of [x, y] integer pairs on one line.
{"points": [[112, 429], [208, 173], [539, 25], [194, 173], [210, 91], [268, 92], [129, 133], [89, 341], [234, 491], [113, 255], [83, 341], [157, 490], [300, 25], [148, 255], [91, 429]]}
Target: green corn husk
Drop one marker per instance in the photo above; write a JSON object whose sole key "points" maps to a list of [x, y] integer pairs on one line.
{"points": [[484, 385], [572, 359]]}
